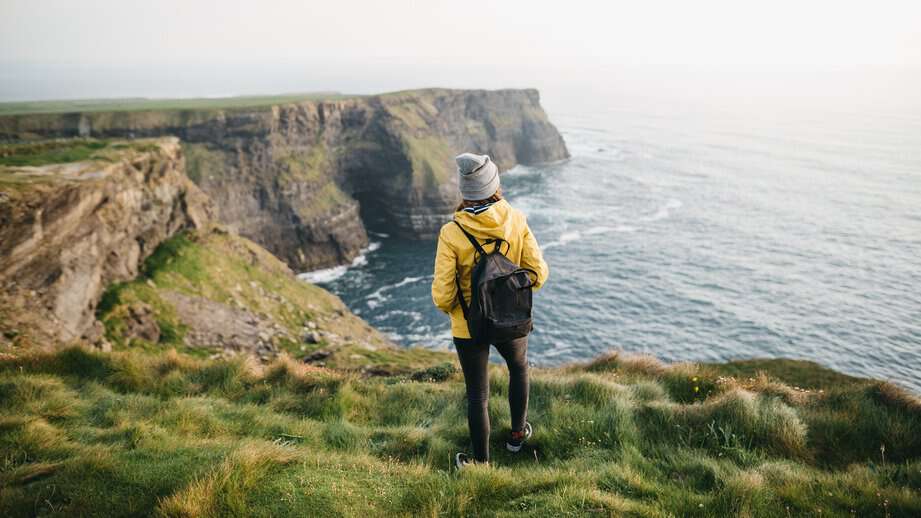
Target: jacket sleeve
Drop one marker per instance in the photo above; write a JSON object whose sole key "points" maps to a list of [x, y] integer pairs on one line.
{"points": [[531, 257], [444, 291]]}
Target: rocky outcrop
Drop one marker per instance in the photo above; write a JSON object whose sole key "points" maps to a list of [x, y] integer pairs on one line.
{"points": [[69, 230], [215, 291], [304, 178]]}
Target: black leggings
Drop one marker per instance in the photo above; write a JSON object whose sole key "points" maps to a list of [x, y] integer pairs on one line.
{"points": [[474, 359]]}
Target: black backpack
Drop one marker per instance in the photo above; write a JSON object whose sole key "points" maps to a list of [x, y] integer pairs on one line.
{"points": [[500, 302]]}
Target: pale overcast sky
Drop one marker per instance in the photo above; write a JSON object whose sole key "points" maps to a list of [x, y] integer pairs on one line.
{"points": [[684, 32], [115, 48]]}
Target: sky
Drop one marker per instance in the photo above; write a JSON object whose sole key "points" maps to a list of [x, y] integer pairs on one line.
{"points": [[67, 48]]}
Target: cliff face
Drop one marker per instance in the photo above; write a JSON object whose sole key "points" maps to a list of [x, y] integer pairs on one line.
{"points": [[299, 178], [68, 230]]}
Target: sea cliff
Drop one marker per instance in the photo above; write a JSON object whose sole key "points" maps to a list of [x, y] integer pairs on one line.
{"points": [[68, 230], [108, 243], [305, 178]]}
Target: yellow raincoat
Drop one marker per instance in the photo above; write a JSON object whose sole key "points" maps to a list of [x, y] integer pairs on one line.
{"points": [[455, 255]]}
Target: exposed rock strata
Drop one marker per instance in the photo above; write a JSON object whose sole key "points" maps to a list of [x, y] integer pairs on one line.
{"points": [[298, 178], [67, 231]]}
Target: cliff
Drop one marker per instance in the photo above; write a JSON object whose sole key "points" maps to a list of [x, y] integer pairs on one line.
{"points": [[67, 230], [109, 243], [304, 178]]}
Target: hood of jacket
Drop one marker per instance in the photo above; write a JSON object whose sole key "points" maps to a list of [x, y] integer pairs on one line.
{"points": [[494, 221]]}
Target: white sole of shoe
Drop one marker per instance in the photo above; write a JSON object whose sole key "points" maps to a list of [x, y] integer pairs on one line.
{"points": [[515, 449]]}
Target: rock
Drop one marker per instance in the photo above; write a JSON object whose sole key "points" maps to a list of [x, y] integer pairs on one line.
{"points": [[316, 356], [142, 323], [80, 227], [95, 333], [312, 337]]}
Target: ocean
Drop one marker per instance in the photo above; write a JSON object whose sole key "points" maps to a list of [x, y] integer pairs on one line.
{"points": [[702, 233]]}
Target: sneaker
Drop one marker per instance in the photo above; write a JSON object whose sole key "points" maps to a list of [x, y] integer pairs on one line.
{"points": [[518, 439], [461, 461]]}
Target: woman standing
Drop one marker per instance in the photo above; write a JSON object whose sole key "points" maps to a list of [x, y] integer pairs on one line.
{"points": [[485, 216]]}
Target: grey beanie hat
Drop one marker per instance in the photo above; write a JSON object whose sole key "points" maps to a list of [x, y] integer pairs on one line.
{"points": [[478, 176]]}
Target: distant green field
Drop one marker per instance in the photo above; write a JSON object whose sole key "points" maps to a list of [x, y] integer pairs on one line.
{"points": [[49, 152], [140, 104]]}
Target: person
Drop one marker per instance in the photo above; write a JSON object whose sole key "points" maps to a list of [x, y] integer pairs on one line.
{"points": [[485, 215]]}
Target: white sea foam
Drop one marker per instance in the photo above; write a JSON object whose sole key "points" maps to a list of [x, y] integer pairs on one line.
{"points": [[519, 170], [597, 230], [377, 296], [604, 230], [414, 315], [325, 275], [566, 237], [664, 211], [379, 234]]}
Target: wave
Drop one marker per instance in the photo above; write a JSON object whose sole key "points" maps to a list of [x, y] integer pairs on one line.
{"points": [[377, 296], [664, 211], [324, 275], [414, 315], [327, 275], [604, 230], [591, 231]]}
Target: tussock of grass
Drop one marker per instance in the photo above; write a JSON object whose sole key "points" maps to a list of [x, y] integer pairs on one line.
{"points": [[132, 433]]}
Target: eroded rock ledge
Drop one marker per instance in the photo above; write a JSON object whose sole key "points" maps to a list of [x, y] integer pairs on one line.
{"points": [[69, 230]]}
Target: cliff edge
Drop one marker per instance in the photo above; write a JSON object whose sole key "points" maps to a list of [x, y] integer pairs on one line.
{"points": [[304, 178]]}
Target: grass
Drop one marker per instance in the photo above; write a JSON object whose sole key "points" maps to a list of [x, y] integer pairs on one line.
{"points": [[227, 269], [202, 103], [132, 433], [143, 104], [50, 152]]}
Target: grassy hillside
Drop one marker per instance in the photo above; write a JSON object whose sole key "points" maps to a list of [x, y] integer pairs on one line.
{"points": [[129, 433], [199, 286]]}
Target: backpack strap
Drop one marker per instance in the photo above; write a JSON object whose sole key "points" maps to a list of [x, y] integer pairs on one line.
{"points": [[479, 248], [460, 295]]}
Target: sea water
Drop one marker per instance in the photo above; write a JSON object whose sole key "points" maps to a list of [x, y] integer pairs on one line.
{"points": [[702, 234]]}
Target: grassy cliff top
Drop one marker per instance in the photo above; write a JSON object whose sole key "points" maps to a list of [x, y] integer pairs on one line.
{"points": [[129, 434], [200, 103], [65, 151], [143, 104]]}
